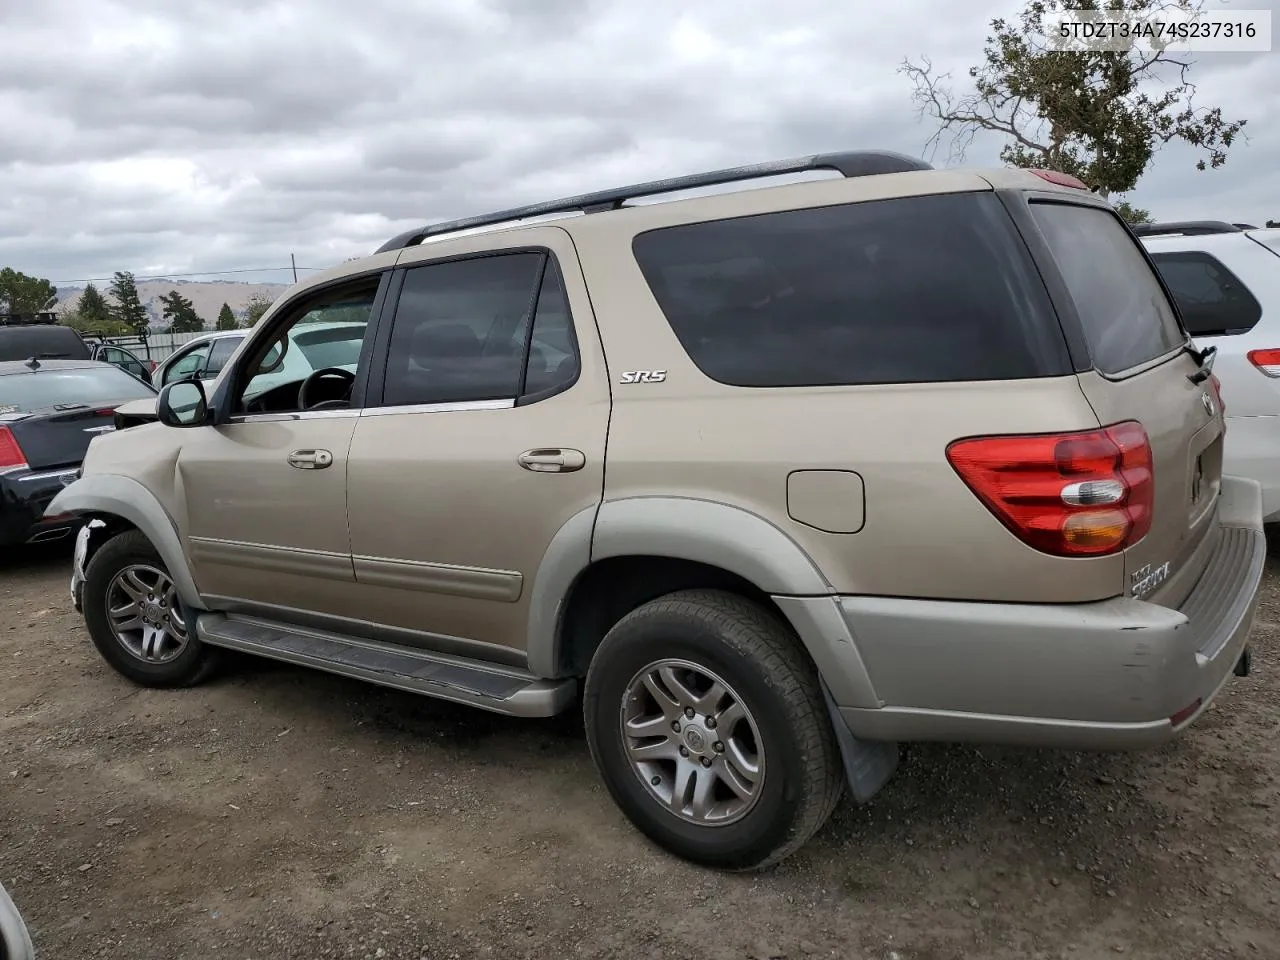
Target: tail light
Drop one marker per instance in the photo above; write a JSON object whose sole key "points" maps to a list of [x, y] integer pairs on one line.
{"points": [[1081, 494], [11, 455], [1268, 361]]}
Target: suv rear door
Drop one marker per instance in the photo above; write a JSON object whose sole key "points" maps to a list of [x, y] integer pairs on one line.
{"points": [[482, 436], [1141, 370]]}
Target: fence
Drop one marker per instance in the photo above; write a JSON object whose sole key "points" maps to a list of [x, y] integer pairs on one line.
{"points": [[158, 347]]}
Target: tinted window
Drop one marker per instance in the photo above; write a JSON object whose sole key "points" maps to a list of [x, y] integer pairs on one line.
{"points": [[219, 354], [23, 343], [460, 330], [187, 365], [553, 348], [1212, 300], [44, 388], [935, 288], [1126, 317]]}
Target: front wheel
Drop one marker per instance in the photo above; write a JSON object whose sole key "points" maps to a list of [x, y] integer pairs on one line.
{"points": [[708, 725], [136, 618]]}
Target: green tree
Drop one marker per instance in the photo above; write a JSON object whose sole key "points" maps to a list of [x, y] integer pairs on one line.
{"points": [[128, 309], [93, 307], [255, 308], [20, 293], [226, 319], [92, 314], [1099, 115], [1133, 214], [181, 313]]}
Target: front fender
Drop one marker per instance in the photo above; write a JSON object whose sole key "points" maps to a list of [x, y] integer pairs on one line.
{"points": [[119, 496]]}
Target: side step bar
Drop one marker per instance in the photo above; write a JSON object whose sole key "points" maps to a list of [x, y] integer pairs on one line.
{"points": [[492, 687]]}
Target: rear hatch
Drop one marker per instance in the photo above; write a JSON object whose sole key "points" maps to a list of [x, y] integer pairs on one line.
{"points": [[1143, 371], [59, 437]]}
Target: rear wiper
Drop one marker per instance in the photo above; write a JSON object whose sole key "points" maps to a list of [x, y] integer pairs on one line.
{"points": [[1204, 359]]}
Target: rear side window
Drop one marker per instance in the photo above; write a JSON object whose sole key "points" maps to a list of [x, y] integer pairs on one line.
{"points": [[479, 329], [1126, 318], [1213, 301], [920, 289]]}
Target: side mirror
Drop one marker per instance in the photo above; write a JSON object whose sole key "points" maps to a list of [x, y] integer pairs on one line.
{"points": [[183, 404], [145, 376], [15, 941]]}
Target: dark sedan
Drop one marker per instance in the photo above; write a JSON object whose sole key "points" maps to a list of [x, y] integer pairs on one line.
{"points": [[49, 412]]}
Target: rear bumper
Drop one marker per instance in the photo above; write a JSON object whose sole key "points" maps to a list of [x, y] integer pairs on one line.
{"points": [[24, 495], [1107, 675], [1252, 449]]}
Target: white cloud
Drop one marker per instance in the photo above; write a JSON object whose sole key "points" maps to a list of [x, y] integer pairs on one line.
{"points": [[222, 134]]}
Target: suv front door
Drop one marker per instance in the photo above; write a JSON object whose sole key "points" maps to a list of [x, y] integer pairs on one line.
{"points": [[265, 489], [487, 434]]}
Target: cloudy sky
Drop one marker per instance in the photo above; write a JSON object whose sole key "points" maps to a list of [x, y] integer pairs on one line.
{"points": [[184, 136]]}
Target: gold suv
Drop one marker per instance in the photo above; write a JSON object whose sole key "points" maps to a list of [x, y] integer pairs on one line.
{"points": [[769, 479]]}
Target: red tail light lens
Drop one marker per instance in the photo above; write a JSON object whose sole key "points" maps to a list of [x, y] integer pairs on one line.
{"points": [[1068, 494], [1268, 361], [11, 455]]}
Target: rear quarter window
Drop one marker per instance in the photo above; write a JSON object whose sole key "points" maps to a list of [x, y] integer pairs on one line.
{"points": [[919, 289], [1125, 316], [1212, 300]]}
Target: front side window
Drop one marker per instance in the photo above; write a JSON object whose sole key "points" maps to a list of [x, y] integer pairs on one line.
{"points": [[326, 332], [219, 354], [1126, 317], [188, 365], [462, 332], [1213, 301]]}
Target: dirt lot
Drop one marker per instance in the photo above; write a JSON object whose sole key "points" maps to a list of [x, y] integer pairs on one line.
{"points": [[279, 813]]}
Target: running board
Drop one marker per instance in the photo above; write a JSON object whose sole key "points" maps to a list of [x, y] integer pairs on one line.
{"points": [[489, 686]]}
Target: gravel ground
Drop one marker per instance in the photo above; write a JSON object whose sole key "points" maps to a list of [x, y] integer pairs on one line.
{"points": [[278, 813]]}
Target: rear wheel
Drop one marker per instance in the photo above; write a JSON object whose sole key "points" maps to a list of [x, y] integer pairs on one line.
{"points": [[708, 725], [136, 618]]}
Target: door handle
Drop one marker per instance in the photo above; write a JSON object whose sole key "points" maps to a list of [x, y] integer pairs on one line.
{"points": [[310, 459], [552, 460]]}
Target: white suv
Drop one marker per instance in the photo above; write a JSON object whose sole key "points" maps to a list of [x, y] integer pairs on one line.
{"points": [[1226, 280]]}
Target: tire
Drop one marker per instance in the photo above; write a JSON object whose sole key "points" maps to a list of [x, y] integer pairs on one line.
{"points": [[173, 663], [729, 639]]}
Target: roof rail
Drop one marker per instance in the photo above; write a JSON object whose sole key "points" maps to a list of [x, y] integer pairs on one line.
{"points": [[1187, 228], [27, 319], [856, 163]]}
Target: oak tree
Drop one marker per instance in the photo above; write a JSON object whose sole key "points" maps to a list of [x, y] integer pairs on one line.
{"points": [[1097, 114]]}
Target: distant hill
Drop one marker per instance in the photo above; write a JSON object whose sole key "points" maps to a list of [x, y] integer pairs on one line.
{"points": [[207, 295]]}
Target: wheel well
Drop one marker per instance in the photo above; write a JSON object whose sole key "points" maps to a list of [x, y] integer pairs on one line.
{"points": [[106, 527], [609, 589]]}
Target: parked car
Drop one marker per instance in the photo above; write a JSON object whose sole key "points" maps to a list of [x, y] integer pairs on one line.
{"points": [[50, 410], [41, 336], [15, 940], [774, 479], [312, 344], [1226, 283]]}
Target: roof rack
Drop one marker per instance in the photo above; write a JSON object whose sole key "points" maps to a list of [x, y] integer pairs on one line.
{"points": [[1187, 228], [857, 163], [27, 319]]}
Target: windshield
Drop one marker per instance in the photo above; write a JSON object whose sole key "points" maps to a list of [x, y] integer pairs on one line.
{"points": [[21, 392]]}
